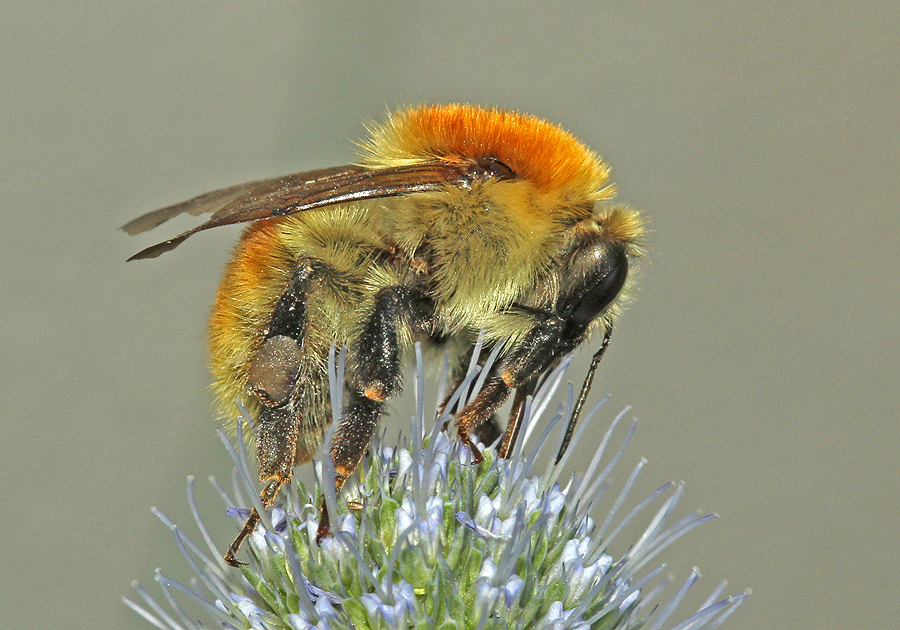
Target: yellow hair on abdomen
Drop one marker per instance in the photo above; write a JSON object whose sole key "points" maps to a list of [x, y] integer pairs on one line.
{"points": [[254, 279]]}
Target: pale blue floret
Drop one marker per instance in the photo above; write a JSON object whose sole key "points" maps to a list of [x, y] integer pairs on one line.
{"points": [[398, 614], [442, 541]]}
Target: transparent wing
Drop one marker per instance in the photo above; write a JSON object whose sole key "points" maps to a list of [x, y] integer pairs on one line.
{"points": [[312, 189], [212, 201]]}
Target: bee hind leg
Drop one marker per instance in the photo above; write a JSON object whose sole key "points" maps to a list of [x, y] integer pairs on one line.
{"points": [[276, 438], [272, 378], [268, 497]]}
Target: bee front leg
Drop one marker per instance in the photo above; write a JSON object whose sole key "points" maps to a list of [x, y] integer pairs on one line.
{"points": [[480, 410], [554, 333], [488, 431], [376, 376], [511, 435], [519, 369]]}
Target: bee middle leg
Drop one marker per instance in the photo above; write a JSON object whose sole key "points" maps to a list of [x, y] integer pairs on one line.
{"points": [[376, 376]]}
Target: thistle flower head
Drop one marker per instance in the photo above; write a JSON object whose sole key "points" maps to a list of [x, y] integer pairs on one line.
{"points": [[427, 539]]}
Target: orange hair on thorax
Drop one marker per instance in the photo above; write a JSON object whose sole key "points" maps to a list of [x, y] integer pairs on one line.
{"points": [[546, 155]]}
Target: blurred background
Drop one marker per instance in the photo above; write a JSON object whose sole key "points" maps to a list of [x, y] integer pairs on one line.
{"points": [[760, 355]]}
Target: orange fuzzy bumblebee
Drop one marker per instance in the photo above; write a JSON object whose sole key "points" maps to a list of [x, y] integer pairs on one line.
{"points": [[458, 219]]}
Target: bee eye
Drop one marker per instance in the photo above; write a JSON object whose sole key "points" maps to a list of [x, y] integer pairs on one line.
{"points": [[600, 287]]}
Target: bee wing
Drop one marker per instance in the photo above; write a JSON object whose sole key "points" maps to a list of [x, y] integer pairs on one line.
{"points": [[217, 199], [312, 189]]}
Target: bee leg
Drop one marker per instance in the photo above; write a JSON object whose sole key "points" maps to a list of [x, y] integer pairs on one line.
{"points": [[519, 369], [276, 438], [272, 377], [348, 445], [324, 528], [488, 431], [515, 420], [248, 528], [554, 333], [488, 400], [585, 302], [376, 377], [268, 497]]}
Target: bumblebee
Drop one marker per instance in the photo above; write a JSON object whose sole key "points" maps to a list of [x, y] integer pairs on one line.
{"points": [[457, 219]]}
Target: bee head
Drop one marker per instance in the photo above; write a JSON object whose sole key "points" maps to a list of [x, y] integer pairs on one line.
{"points": [[595, 269]]}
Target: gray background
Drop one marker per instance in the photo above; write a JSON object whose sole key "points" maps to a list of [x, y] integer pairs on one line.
{"points": [[761, 139]]}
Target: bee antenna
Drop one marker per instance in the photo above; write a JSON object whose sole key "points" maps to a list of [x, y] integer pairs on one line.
{"points": [[582, 397]]}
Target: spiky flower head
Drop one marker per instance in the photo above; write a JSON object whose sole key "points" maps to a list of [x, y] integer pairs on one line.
{"points": [[427, 539]]}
